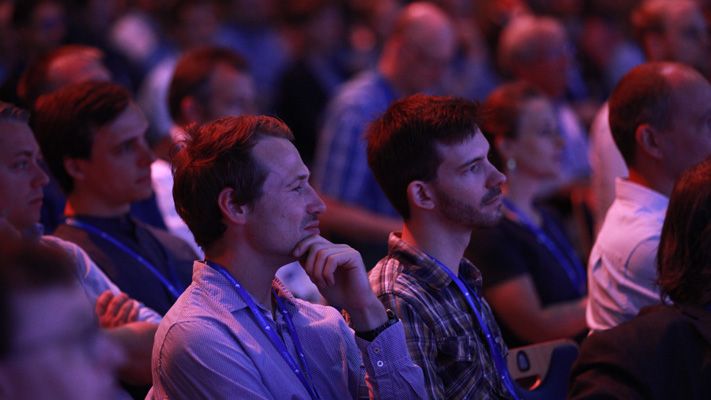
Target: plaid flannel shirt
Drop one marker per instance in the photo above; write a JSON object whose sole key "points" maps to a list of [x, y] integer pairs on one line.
{"points": [[443, 336]]}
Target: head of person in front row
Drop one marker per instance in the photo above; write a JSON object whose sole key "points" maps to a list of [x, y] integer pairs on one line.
{"points": [[660, 115], [430, 158], [659, 118], [536, 289], [50, 344], [92, 136], [684, 257], [21, 177], [242, 188]]}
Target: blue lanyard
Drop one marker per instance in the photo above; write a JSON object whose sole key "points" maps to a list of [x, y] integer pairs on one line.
{"points": [[305, 379], [474, 302], [565, 257], [141, 260]]}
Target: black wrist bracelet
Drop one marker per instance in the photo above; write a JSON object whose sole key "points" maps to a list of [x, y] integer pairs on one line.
{"points": [[372, 334]]}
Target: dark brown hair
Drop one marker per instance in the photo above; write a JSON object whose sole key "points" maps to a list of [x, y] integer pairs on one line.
{"points": [[401, 143], [193, 72], [65, 122], [501, 111], [215, 156]]}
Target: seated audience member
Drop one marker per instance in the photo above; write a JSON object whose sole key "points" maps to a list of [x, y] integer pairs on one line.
{"points": [[659, 116], [667, 31], [535, 282], [208, 83], [21, 179], [665, 352], [414, 59], [93, 138], [242, 188], [50, 346], [430, 159], [537, 50], [60, 67]]}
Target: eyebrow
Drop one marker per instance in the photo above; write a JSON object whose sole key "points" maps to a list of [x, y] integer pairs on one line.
{"points": [[26, 153], [470, 162], [299, 178]]}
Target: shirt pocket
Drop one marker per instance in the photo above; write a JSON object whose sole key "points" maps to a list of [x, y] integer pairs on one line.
{"points": [[453, 349]]}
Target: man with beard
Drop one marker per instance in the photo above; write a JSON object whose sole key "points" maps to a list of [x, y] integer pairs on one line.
{"points": [[430, 158]]}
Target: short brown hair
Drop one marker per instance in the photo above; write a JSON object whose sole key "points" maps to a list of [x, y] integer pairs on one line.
{"points": [[501, 112], [66, 121], [215, 156], [643, 96], [193, 72], [401, 143]]}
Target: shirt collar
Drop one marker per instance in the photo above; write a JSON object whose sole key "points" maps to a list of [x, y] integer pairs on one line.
{"points": [[627, 190], [423, 268], [221, 289]]}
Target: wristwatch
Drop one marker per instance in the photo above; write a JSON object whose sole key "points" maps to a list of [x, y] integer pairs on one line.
{"points": [[373, 333]]}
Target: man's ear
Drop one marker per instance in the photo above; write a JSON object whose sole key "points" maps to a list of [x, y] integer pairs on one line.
{"points": [[75, 167], [420, 195], [647, 138], [229, 208]]}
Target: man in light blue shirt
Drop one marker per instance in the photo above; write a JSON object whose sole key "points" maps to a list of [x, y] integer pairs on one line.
{"points": [[236, 332]]}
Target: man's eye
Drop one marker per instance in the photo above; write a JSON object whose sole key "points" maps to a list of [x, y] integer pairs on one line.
{"points": [[21, 164]]}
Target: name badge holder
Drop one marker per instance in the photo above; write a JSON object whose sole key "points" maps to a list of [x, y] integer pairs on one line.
{"points": [[474, 303], [175, 293], [566, 257], [303, 375]]}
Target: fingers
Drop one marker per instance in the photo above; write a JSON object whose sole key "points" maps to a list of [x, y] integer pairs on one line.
{"points": [[323, 259], [122, 314], [115, 309], [103, 301], [303, 246], [116, 303]]}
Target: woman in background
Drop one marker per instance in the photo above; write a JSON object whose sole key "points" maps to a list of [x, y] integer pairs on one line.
{"points": [[534, 279]]}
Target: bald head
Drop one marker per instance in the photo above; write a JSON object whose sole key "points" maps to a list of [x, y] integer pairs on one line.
{"points": [[536, 50], [660, 113], [418, 51]]}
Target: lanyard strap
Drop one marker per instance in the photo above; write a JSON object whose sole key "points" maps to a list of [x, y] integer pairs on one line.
{"points": [[474, 303], [306, 378], [565, 257], [140, 259]]}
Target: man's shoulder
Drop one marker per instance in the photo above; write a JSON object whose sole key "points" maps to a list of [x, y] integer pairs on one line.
{"points": [[392, 276]]}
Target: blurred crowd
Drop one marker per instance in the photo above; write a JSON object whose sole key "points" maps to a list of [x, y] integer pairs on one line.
{"points": [[144, 75]]}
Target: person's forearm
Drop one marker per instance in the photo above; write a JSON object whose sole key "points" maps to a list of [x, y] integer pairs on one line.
{"points": [[368, 316], [136, 340]]}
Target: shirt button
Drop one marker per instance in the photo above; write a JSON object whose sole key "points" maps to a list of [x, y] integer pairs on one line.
{"points": [[376, 350], [380, 363]]}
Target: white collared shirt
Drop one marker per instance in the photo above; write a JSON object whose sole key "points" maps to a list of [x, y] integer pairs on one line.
{"points": [[623, 262]]}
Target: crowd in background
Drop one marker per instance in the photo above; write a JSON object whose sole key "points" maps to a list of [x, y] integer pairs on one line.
{"points": [[542, 70]]}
